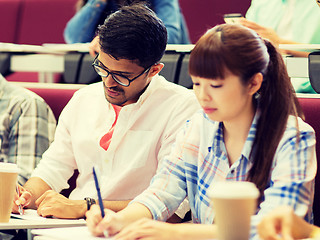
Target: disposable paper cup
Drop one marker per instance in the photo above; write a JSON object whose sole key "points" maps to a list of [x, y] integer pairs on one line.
{"points": [[8, 180], [234, 203]]}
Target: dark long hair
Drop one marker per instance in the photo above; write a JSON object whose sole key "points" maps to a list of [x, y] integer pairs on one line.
{"points": [[242, 52]]}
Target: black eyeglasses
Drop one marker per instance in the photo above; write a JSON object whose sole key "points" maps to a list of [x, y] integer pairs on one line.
{"points": [[120, 79]]}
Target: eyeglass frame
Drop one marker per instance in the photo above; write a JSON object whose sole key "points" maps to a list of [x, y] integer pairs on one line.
{"points": [[95, 65]]}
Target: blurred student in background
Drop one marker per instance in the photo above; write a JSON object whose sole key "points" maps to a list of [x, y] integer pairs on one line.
{"points": [[27, 127], [123, 125], [249, 130], [91, 13], [286, 22]]}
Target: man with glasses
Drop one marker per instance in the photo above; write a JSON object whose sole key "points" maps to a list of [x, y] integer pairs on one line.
{"points": [[124, 125]]}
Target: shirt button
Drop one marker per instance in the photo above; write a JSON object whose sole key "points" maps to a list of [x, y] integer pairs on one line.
{"points": [[232, 171]]}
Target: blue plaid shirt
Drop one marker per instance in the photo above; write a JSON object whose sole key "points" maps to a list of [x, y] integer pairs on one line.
{"points": [[199, 159]]}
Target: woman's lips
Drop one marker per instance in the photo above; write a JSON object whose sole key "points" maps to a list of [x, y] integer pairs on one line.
{"points": [[209, 110]]}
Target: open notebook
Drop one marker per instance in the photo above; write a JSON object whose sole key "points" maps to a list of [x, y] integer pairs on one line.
{"points": [[66, 233]]}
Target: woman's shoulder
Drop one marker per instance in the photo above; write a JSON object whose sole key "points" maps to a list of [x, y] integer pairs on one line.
{"points": [[296, 123], [297, 129]]}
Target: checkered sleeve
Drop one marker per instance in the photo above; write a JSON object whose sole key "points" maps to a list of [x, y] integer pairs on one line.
{"points": [[32, 125], [292, 178]]}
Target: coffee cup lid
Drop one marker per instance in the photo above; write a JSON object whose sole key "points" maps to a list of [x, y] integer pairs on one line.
{"points": [[9, 167], [233, 189]]}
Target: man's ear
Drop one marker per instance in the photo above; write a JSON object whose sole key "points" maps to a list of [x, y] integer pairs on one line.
{"points": [[255, 83], [155, 69]]}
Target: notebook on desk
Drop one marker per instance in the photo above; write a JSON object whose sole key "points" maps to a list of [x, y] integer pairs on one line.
{"points": [[66, 233], [30, 220]]}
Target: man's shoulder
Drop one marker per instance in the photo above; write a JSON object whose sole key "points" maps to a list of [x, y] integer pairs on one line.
{"points": [[12, 92], [172, 89], [89, 90]]}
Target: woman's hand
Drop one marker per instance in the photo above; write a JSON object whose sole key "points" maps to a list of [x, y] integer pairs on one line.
{"points": [[149, 229], [283, 223], [110, 225]]}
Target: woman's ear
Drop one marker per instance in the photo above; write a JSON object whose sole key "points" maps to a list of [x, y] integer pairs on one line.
{"points": [[155, 69], [255, 83]]}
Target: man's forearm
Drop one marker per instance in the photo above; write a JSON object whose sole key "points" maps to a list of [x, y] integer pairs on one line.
{"points": [[36, 186]]}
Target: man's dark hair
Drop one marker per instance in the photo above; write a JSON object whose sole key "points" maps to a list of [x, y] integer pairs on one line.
{"points": [[135, 33]]}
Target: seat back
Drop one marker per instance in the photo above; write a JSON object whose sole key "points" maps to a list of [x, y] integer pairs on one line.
{"points": [[311, 109], [314, 70], [43, 21], [201, 15], [55, 95], [9, 12]]}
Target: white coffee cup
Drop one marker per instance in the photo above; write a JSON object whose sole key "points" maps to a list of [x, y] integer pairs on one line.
{"points": [[8, 181], [234, 203]]}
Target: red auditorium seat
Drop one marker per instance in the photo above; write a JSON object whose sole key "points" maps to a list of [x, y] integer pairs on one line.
{"points": [[9, 10], [201, 15], [56, 95], [43, 21]]}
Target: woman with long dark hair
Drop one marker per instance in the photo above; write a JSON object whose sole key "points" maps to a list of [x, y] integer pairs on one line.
{"points": [[250, 129]]}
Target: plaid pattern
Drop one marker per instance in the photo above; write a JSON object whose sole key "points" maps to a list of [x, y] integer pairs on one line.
{"points": [[199, 159], [27, 127]]}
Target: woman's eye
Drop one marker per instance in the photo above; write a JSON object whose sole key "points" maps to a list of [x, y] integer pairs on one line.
{"points": [[216, 86], [196, 84]]}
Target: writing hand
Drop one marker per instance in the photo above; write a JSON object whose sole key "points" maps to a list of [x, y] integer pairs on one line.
{"points": [[22, 199], [110, 225]]}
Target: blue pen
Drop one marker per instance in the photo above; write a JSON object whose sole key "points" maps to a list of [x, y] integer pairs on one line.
{"points": [[98, 192]]}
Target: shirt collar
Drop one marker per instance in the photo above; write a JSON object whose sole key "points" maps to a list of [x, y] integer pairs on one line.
{"points": [[218, 142], [149, 90]]}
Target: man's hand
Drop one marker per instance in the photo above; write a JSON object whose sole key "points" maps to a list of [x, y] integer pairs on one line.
{"points": [[54, 204], [94, 47]]}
